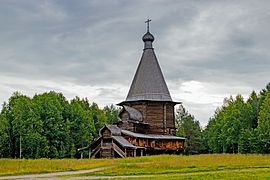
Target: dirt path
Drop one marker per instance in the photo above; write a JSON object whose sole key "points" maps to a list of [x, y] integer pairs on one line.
{"points": [[57, 175], [51, 175], [105, 177]]}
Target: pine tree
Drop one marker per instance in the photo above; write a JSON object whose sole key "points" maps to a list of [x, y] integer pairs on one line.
{"points": [[189, 128]]}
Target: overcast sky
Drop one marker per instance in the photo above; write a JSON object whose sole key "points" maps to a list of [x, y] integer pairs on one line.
{"points": [[208, 50]]}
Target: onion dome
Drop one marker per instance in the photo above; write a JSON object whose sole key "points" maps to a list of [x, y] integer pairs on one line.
{"points": [[148, 37]]}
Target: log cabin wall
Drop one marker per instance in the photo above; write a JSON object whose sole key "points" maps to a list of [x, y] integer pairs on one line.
{"points": [[155, 117], [144, 129], [170, 119], [159, 115], [126, 126], [161, 144]]}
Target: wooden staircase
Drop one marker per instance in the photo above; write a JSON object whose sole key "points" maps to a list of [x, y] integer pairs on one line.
{"points": [[118, 150]]}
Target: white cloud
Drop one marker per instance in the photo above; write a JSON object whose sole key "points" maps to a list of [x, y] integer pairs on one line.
{"points": [[202, 98], [103, 95]]}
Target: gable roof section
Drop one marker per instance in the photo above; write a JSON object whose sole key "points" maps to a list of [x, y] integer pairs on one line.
{"points": [[116, 131]]}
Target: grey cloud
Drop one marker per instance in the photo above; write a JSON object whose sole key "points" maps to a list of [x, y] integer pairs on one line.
{"points": [[99, 43]]}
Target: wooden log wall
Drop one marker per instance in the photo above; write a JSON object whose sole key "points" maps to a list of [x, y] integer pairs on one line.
{"points": [[170, 118], [159, 115], [160, 144]]}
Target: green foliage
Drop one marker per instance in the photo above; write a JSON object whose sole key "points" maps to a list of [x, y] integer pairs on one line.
{"points": [[82, 128], [253, 105], [99, 117], [264, 123], [111, 113], [189, 128], [47, 125], [22, 127], [4, 145], [212, 134], [244, 141], [50, 110], [241, 127]]}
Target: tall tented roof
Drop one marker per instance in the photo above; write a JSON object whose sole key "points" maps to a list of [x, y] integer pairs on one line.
{"points": [[148, 82]]}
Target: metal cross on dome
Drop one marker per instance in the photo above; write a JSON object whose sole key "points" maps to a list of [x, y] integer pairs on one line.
{"points": [[148, 21]]}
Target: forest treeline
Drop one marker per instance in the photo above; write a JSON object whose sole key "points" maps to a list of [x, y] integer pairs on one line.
{"points": [[238, 126], [49, 126]]}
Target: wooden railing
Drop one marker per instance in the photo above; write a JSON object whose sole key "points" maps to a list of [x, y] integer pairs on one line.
{"points": [[119, 150], [95, 151]]}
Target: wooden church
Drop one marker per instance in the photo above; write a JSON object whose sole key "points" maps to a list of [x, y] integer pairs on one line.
{"points": [[146, 123]]}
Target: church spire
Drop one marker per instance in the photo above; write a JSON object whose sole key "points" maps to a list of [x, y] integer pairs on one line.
{"points": [[148, 83]]}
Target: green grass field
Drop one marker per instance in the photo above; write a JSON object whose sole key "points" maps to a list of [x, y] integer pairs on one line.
{"points": [[37, 166], [215, 166]]}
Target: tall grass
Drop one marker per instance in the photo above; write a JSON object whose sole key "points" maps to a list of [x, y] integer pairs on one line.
{"points": [[33, 166], [171, 165]]}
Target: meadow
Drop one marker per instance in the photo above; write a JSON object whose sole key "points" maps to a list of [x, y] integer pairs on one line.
{"points": [[225, 166]]}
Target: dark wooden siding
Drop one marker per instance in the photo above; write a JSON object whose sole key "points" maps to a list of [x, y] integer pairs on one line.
{"points": [[170, 117], [159, 115], [157, 143], [154, 116]]}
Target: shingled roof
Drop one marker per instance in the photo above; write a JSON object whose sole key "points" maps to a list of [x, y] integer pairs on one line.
{"points": [[116, 131], [151, 136], [148, 82], [134, 114]]}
